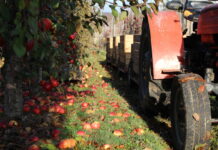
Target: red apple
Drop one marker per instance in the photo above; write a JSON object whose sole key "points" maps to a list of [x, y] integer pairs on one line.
{"points": [[70, 102], [45, 24], [67, 144], [33, 147], [93, 87], [85, 105], [55, 133], [102, 107], [47, 87], [139, 131], [87, 126], [116, 106], [101, 102], [113, 114], [71, 61], [12, 123], [95, 125], [54, 83], [29, 45], [69, 96], [115, 120], [72, 36], [59, 109], [104, 85], [26, 108], [73, 46], [37, 110], [34, 139], [118, 133], [126, 115], [81, 133]]}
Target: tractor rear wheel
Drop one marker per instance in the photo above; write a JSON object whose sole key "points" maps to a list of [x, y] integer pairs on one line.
{"points": [[191, 113]]}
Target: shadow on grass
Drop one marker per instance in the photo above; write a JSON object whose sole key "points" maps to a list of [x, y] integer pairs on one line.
{"points": [[118, 81]]}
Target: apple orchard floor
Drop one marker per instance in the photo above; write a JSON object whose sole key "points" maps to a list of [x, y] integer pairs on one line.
{"points": [[97, 114]]}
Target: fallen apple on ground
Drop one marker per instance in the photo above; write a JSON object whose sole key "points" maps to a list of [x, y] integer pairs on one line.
{"points": [[67, 143], [106, 146], [87, 126], [85, 105], [33, 147], [95, 125], [118, 133], [81, 133]]}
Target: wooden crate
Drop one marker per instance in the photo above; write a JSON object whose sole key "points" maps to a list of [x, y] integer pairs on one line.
{"points": [[124, 62], [135, 56], [126, 42]]}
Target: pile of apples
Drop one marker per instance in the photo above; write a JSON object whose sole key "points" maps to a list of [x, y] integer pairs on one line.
{"points": [[49, 85]]}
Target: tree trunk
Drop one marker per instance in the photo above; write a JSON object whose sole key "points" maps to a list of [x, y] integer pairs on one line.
{"points": [[13, 99]]}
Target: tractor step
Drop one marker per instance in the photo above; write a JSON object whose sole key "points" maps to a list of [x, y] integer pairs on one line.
{"points": [[215, 121]]}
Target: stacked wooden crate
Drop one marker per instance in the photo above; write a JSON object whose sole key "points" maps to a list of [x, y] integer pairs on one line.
{"points": [[116, 41], [135, 53], [126, 42], [109, 48]]}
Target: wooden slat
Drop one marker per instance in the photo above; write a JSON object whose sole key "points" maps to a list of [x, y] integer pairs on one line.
{"points": [[137, 38], [135, 56], [126, 42], [116, 41]]}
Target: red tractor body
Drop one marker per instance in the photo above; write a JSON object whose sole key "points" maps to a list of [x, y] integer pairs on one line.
{"points": [[179, 55], [208, 20], [166, 44]]}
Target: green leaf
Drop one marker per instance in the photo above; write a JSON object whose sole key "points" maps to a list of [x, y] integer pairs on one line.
{"points": [[32, 22], [135, 10], [5, 12], [123, 15], [55, 3], [21, 4], [18, 47], [34, 7], [154, 8], [114, 11]]}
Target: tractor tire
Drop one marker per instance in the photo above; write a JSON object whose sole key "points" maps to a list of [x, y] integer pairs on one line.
{"points": [[191, 113], [149, 90]]}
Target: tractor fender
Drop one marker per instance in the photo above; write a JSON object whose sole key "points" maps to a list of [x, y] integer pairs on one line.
{"points": [[166, 44], [208, 20]]}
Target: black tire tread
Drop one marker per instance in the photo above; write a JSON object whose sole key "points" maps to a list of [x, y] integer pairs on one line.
{"points": [[195, 102]]}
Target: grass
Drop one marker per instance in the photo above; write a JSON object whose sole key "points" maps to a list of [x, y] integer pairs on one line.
{"points": [[113, 96], [96, 138]]}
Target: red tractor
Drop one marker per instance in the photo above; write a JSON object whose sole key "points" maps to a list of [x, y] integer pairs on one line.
{"points": [[178, 65]]}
